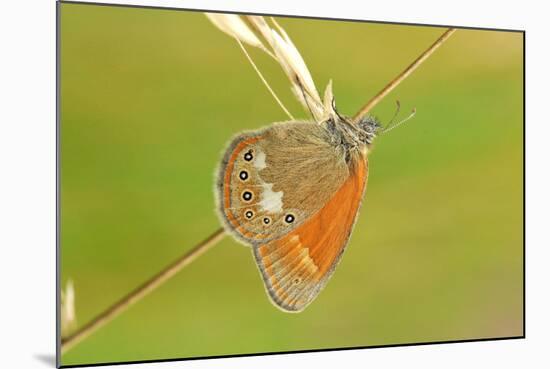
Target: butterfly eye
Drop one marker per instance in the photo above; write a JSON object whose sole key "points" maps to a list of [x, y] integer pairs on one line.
{"points": [[248, 156], [249, 214], [247, 195], [267, 220], [289, 218], [243, 175]]}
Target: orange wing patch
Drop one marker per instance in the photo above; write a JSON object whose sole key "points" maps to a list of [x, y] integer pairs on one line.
{"points": [[227, 189], [297, 266]]}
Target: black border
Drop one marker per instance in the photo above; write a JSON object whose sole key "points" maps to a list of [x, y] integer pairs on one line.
{"points": [[244, 12], [58, 186], [292, 352]]}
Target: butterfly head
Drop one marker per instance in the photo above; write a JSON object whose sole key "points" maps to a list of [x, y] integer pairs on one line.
{"points": [[356, 134], [363, 131], [369, 127]]}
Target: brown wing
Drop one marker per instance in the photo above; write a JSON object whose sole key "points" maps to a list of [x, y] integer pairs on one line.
{"points": [[297, 266]]}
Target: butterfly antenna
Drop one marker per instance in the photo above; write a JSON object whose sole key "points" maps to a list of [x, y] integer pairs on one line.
{"points": [[394, 114], [264, 80], [390, 126]]}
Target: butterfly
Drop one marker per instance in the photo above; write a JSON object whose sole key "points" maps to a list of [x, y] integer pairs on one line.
{"points": [[292, 190]]}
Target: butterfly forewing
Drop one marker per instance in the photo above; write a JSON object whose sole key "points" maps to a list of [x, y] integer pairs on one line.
{"points": [[272, 180]]}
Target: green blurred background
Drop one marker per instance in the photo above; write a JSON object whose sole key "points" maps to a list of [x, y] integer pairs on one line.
{"points": [[150, 97]]}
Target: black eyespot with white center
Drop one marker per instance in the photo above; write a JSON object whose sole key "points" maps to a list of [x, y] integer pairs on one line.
{"points": [[248, 214], [247, 195], [243, 175], [289, 218], [267, 220], [248, 156]]}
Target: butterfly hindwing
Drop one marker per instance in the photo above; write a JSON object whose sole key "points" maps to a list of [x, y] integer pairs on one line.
{"points": [[296, 267]]}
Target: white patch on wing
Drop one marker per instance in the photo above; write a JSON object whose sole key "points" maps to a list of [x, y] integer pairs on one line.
{"points": [[312, 268], [271, 201], [259, 163]]}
